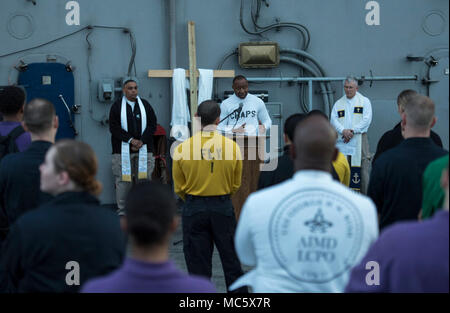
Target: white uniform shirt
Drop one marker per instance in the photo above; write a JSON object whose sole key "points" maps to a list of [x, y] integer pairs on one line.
{"points": [[362, 126], [304, 235], [253, 111]]}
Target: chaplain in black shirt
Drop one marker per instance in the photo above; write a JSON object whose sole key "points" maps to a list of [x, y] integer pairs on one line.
{"points": [[132, 123], [393, 137], [396, 179]]}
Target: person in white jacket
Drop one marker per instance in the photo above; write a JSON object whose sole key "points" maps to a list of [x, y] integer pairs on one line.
{"points": [[351, 117], [250, 116], [305, 234]]}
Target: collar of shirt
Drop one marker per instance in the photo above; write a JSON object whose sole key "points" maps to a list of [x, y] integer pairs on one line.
{"points": [[135, 266], [237, 99], [312, 174], [417, 141], [209, 133], [352, 100]]}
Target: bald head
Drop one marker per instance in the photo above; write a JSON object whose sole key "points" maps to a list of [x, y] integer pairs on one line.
{"points": [[314, 144]]}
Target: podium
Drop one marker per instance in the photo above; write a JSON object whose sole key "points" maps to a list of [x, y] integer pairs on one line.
{"points": [[252, 152]]}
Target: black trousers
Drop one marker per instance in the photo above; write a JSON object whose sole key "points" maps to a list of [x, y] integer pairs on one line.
{"points": [[208, 221]]}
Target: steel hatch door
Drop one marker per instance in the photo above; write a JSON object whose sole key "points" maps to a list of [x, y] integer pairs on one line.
{"points": [[49, 81]]}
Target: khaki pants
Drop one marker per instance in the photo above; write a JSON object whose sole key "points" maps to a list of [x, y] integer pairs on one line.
{"points": [[123, 187]]}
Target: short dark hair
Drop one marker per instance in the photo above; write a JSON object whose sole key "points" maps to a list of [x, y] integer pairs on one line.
{"points": [[290, 124], [128, 79], [12, 99], [239, 77], [38, 115], [208, 111], [150, 209]]}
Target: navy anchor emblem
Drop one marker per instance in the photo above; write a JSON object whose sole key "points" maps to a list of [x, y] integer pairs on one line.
{"points": [[356, 179]]}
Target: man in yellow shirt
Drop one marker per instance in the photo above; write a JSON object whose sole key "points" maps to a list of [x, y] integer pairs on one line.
{"points": [[207, 170]]}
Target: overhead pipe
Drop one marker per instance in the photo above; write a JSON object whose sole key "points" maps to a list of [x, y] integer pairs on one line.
{"points": [[328, 79], [314, 73], [316, 63]]}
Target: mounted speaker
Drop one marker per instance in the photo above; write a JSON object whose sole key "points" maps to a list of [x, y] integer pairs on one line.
{"points": [[259, 54]]}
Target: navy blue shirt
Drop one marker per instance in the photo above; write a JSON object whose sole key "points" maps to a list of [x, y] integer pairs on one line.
{"points": [[43, 243], [20, 182], [392, 138], [396, 179], [284, 171]]}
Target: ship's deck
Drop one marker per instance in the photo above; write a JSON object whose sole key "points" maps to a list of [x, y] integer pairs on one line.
{"points": [[176, 254]]}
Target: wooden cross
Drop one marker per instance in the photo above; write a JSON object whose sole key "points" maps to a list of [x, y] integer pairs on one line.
{"points": [[193, 72]]}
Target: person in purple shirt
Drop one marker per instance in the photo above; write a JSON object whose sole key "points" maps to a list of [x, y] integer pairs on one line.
{"points": [[150, 221], [12, 100], [410, 256]]}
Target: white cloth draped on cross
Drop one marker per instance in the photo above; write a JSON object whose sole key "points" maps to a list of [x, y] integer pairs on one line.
{"points": [[180, 111]]}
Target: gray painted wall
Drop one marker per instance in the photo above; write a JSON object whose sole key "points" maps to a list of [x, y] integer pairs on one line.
{"points": [[340, 40]]}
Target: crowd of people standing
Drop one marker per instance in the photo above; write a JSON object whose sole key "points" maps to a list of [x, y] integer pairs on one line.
{"points": [[310, 227]]}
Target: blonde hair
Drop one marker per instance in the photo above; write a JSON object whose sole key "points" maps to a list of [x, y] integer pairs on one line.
{"points": [[404, 97], [420, 111]]}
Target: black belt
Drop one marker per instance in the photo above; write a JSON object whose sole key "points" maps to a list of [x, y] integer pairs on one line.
{"points": [[221, 197]]}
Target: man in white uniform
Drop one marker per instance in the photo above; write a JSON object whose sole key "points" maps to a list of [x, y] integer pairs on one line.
{"points": [[250, 115], [351, 117], [305, 234]]}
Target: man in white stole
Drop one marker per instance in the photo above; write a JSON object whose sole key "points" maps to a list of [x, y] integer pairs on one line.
{"points": [[132, 125], [351, 117]]}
